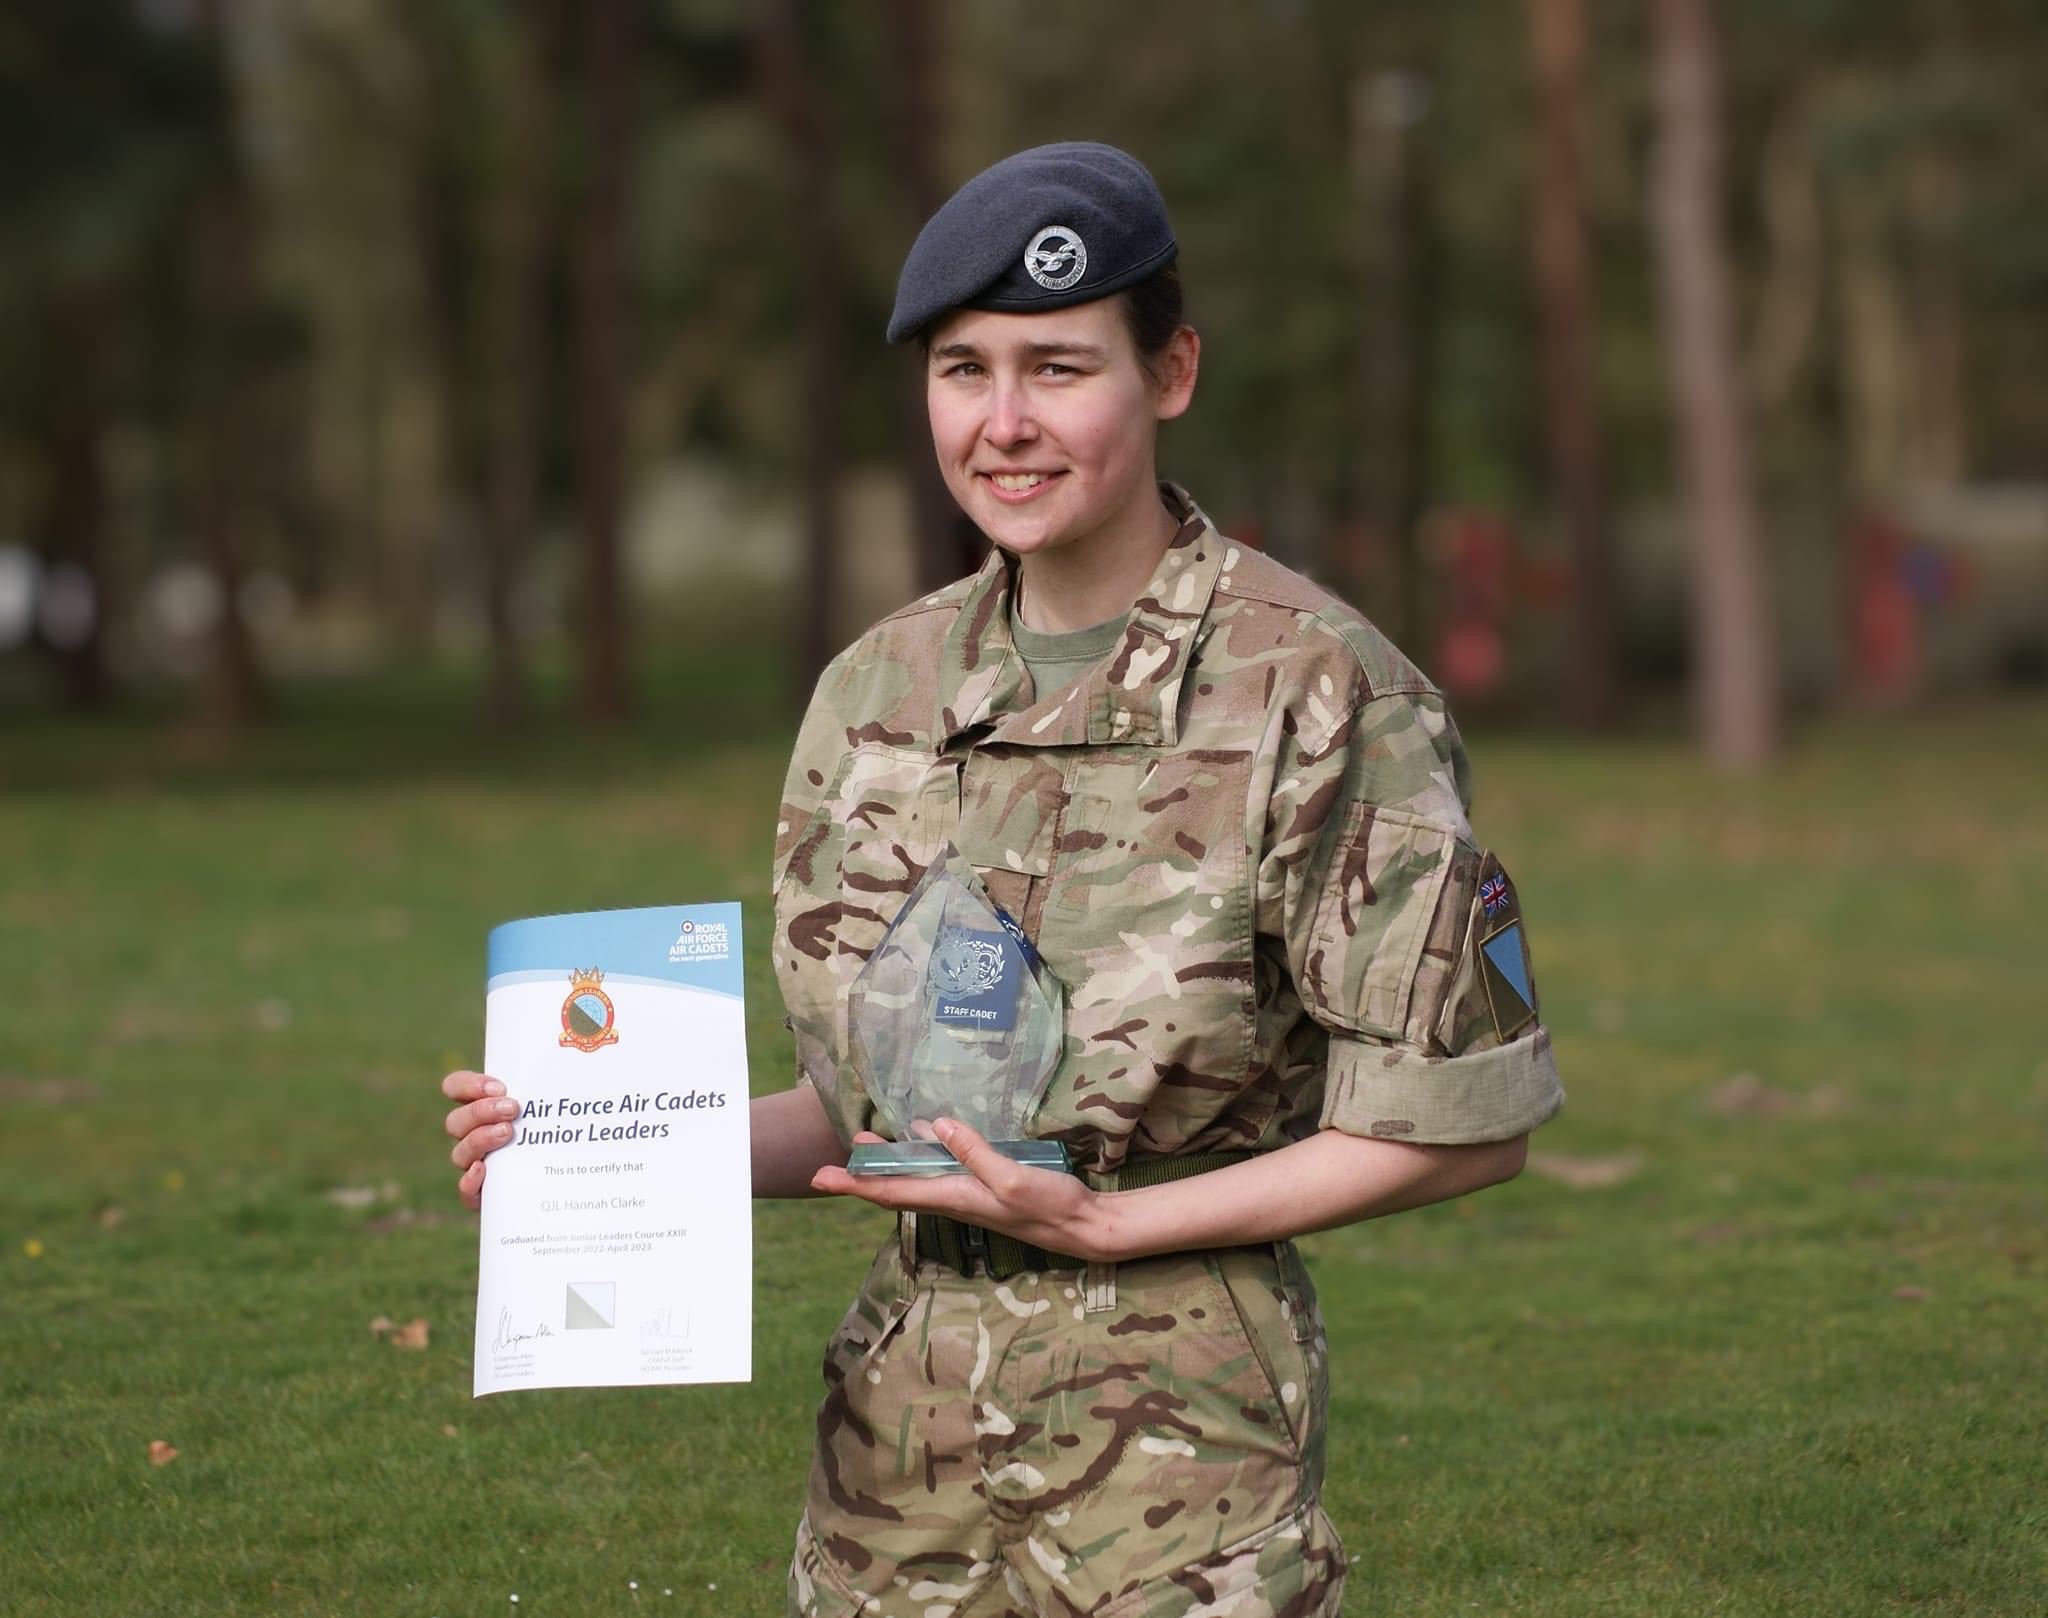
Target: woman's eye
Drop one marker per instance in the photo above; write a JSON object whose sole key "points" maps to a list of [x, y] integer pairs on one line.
{"points": [[1053, 368]]}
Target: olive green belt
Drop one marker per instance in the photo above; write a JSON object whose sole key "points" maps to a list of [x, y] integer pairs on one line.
{"points": [[960, 1246]]}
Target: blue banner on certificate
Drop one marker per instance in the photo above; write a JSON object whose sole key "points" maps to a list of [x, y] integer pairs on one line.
{"points": [[617, 1224]]}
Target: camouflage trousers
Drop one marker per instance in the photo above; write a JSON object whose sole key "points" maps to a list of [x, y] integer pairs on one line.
{"points": [[995, 1449]]}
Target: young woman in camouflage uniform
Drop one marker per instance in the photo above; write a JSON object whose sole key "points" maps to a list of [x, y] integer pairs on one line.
{"points": [[1232, 818]]}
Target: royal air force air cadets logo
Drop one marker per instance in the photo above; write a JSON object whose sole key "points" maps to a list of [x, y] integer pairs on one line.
{"points": [[1056, 258]]}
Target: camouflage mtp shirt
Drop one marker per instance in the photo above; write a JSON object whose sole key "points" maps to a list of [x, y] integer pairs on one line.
{"points": [[1240, 842]]}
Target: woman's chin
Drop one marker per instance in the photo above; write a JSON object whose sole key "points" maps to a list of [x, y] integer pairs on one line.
{"points": [[1018, 535]]}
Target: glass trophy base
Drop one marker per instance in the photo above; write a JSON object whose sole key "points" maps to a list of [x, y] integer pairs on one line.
{"points": [[928, 1157]]}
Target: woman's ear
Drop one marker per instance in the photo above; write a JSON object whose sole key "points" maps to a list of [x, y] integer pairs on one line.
{"points": [[1177, 370]]}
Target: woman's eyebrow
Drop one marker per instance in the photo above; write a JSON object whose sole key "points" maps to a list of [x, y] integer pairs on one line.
{"points": [[1082, 351], [1036, 351]]}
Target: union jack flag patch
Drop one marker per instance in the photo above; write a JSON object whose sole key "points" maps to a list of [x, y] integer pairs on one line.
{"points": [[1493, 893]]}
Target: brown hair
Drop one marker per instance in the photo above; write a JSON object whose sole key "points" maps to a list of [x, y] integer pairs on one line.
{"points": [[1154, 310]]}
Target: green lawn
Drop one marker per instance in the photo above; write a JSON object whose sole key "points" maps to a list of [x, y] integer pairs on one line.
{"points": [[1762, 1332]]}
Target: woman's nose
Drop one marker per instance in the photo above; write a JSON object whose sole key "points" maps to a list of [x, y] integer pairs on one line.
{"points": [[1009, 415]]}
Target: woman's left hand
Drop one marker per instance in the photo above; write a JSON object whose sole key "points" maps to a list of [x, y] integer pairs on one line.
{"points": [[1054, 1211]]}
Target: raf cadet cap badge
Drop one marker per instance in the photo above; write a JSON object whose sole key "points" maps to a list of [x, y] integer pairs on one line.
{"points": [[1053, 226]]}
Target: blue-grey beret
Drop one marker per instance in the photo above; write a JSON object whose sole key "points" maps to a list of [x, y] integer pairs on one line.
{"points": [[1053, 226]]}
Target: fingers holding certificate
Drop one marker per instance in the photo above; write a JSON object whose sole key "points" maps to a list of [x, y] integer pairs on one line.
{"points": [[616, 1237]]}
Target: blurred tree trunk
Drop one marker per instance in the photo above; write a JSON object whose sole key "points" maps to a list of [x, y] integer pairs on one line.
{"points": [[600, 341], [1876, 346], [1788, 306], [947, 544], [1937, 193], [519, 325], [443, 178], [1390, 183], [1735, 665], [1565, 300], [225, 251], [794, 95], [75, 382]]}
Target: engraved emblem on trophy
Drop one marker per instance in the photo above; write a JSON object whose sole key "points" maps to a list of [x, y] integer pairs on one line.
{"points": [[954, 1016]]}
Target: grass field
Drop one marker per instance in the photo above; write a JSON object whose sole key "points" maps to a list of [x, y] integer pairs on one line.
{"points": [[1761, 1332]]}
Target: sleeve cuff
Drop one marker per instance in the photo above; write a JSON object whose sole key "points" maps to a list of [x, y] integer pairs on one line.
{"points": [[1400, 1094]]}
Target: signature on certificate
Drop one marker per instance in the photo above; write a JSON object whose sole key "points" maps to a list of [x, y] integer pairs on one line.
{"points": [[508, 1338], [663, 1325]]}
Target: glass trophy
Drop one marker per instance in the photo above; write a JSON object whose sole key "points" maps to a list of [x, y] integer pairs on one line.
{"points": [[954, 1016]]}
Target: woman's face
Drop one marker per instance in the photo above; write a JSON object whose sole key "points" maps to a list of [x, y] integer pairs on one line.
{"points": [[1045, 424]]}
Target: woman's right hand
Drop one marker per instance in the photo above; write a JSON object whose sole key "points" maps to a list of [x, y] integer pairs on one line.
{"points": [[480, 1123]]}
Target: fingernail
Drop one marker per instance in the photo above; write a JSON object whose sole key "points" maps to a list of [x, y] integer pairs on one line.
{"points": [[507, 1109], [503, 1131], [493, 1088], [943, 1128]]}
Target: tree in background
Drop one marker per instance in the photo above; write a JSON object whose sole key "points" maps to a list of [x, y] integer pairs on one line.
{"points": [[793, 92], [1392, 183], [480, 169], [947, 545], [601, 317], [226, 297], [525, 223], [111, 129], [1565, 303], [1735, 666]]}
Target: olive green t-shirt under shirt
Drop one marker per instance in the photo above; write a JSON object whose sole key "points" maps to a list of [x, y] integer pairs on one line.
{"points": [[1057, 661]]}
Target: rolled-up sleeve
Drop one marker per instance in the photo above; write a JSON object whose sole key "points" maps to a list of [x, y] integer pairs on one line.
{"points": [[1398, 1093], [1405, 936]]}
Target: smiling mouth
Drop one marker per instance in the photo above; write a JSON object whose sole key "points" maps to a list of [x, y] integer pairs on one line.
{"points": [[1019, 482]]}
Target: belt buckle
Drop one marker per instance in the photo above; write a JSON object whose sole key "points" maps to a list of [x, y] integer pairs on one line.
{"points": [[974, 1248]]}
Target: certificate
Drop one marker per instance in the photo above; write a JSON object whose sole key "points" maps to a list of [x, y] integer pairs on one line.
{"points": [[617, 1224]]}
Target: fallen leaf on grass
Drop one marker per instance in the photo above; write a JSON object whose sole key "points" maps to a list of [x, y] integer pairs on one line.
{"points": [[413, 1334], [399, 1218], [381, 1325], [112, 1216], [49, 1092], [160, 1453], [1586, 1173], [1911, 1294], [352, 1196], [447, 1429], [272, 1016], [1746, 1093]]}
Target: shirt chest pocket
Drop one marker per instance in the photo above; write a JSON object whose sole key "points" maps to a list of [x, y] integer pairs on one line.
{"points": [[1149, 912], [894, 811], [884, 818]]}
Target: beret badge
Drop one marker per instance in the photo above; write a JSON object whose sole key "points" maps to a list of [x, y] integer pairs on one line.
{"points": [[1043, 229], [1056, 258]]}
